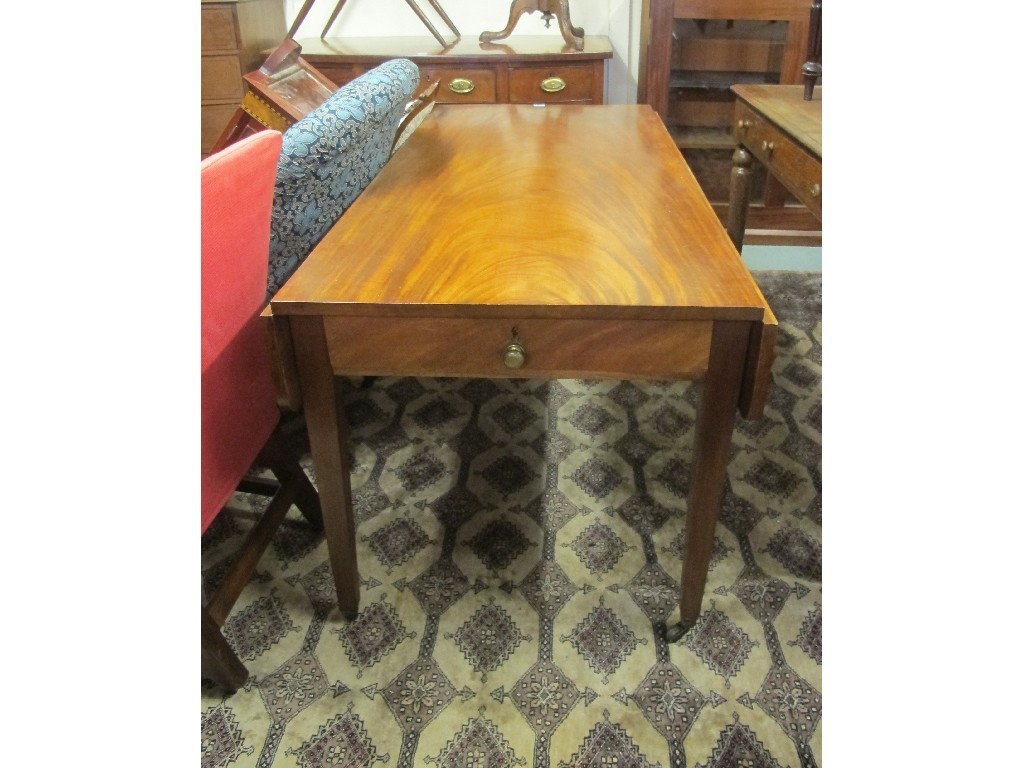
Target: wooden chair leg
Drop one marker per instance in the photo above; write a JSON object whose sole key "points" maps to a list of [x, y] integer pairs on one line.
{"points": [[220, 663], [286, 468]]}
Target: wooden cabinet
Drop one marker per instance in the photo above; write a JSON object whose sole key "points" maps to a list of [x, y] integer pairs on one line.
{"points": [[692, 52], [233, 35], [528, 69]]}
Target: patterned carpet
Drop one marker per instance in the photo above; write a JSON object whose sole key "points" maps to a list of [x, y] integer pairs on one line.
{"points": [[519, 545]]}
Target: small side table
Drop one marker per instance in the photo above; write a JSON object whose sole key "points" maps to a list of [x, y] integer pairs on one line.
{"points": [[774, 124]]}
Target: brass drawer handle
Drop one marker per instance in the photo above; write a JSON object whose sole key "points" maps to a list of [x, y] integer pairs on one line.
{"points": [[743, 124], [552, 84], [768, 146], [461, 85], [514, 354], [816, 190]]}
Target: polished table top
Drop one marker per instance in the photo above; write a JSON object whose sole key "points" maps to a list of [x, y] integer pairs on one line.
{"points": [[534, 211]]}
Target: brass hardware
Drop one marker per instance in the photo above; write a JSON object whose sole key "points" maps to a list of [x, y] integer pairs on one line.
{"points": [[768, 146], [816, 190], [514, 355], [743, 124], [552, 84], [461, 85]]}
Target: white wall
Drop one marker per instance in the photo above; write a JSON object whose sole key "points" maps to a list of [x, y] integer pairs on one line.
{"points": [[619, 20]]}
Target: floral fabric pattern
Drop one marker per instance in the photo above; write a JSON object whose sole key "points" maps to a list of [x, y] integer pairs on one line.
{"points": [[329, 157]]}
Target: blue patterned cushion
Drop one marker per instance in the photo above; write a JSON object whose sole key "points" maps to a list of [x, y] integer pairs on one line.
{"points": [[328, 158]]}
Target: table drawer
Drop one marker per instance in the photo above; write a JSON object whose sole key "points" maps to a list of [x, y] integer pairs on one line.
{"points": [[218, 30], [796, 168], [550, 84], [411, 346], [461, 85], [220, 79]]}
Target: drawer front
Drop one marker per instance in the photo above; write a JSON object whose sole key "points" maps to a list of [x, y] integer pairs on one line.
{"points": [[461, 85], [214, 118], [796, 168], [219, 32], [550, 84], [410, 346], [221, 78]]}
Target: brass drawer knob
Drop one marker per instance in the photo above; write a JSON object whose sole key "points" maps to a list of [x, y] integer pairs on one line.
{"points": [[552, 84], [743, 124], [515, 355], [816, 190], [768, 146], [461, 85]]}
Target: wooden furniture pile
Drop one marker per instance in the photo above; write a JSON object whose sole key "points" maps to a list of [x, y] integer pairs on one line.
{"points": [[692, 53]]}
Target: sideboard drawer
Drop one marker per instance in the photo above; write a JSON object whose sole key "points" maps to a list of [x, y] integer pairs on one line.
{"points": [[213, 118], [221, 78], [461, 85], [550, 84], [218, 31]]}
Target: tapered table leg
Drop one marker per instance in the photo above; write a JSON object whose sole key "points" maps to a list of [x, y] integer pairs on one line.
{"points": [[716, 416], [328, 439]]}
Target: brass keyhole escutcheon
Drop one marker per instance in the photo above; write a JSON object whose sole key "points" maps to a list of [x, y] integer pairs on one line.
{"points": [[514, 355], [461, 85]]}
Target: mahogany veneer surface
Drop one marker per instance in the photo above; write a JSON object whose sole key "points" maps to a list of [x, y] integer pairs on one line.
{"points": [[532, 211]]}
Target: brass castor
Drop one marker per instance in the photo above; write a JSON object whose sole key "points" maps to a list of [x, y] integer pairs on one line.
{"points": [[675, 632]]}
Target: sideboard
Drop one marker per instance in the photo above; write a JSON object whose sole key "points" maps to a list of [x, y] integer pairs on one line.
{"points": [[528, 69]]}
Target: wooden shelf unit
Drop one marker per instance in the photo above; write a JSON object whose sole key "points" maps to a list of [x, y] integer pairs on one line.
{"points": [[692, 52], [233, 34]]}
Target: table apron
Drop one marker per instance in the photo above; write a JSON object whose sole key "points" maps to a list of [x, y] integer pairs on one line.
{"points": [[576, 348], [797, 169]]}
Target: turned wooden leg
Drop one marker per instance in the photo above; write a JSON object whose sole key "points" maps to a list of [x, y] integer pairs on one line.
{"points": [[519, 7], [739, 195], [811, 70], [571, 34], [716, 416], [328, 440]]}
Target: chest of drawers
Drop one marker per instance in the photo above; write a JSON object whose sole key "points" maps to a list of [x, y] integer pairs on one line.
{"points": [[531, 69], [233, 35]]}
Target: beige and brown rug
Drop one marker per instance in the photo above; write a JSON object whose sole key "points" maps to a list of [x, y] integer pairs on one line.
{"points": [[519, 548]]}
